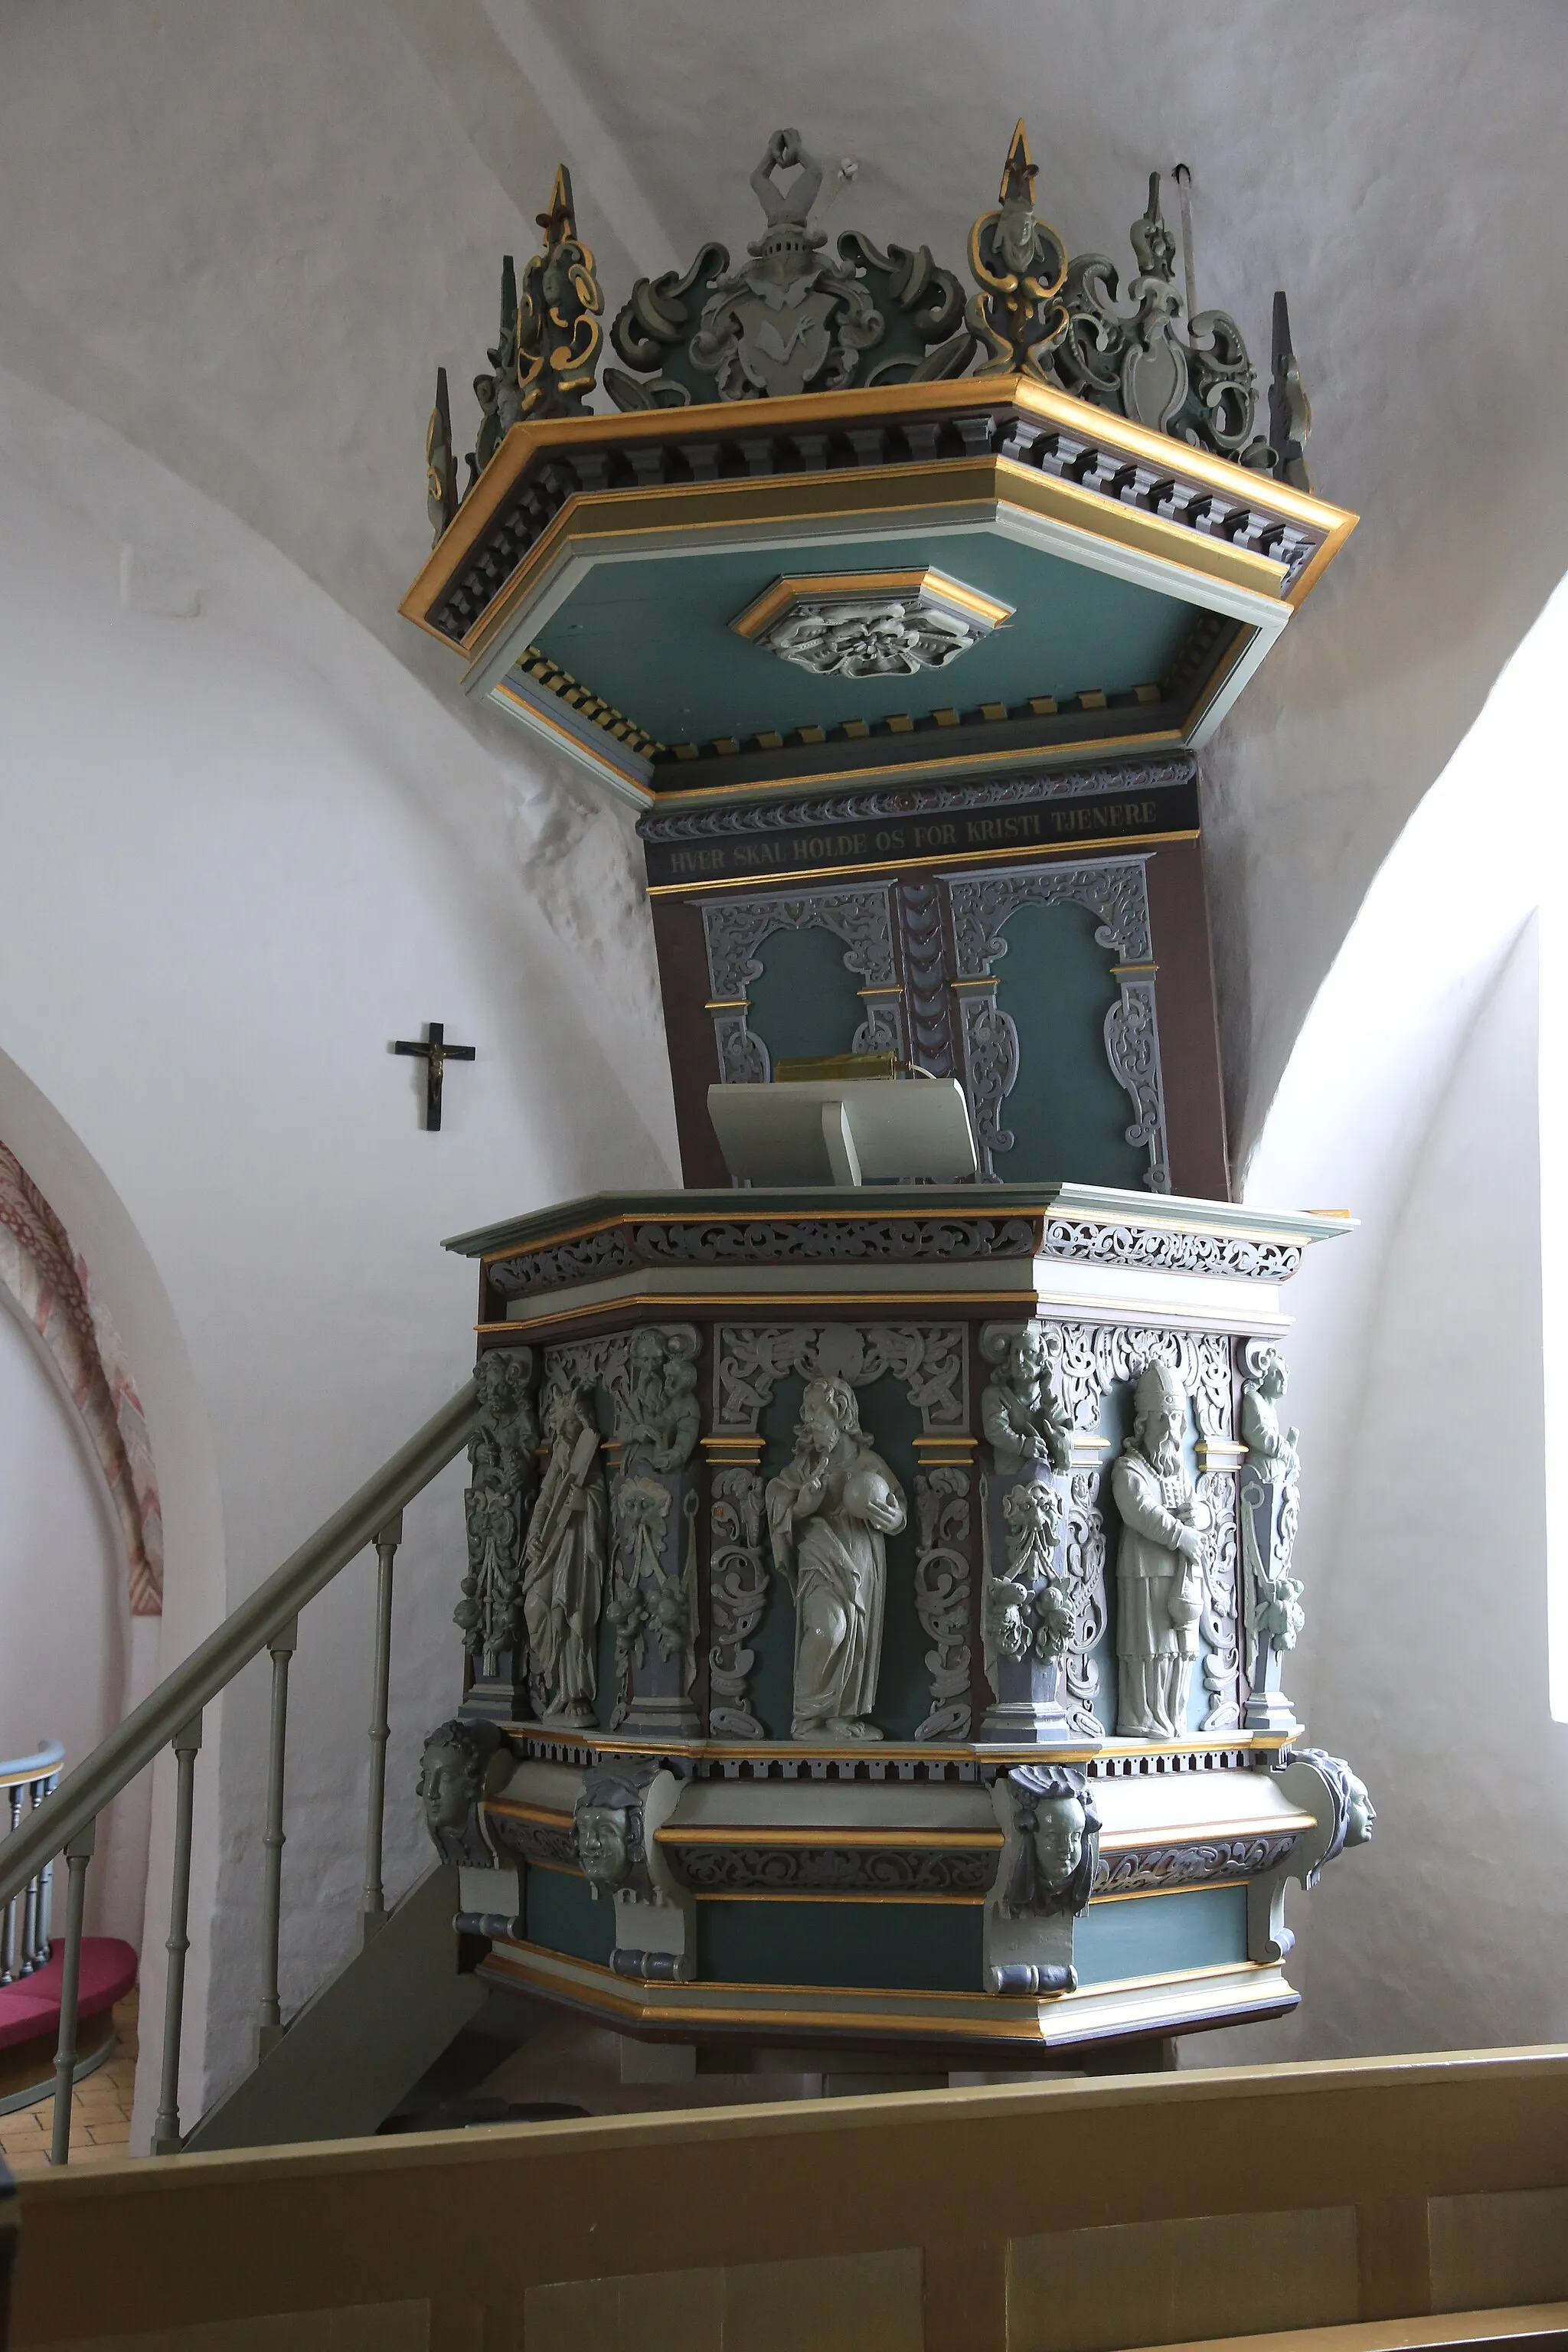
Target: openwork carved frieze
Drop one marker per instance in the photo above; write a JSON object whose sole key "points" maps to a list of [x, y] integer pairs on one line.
{"points": [[930, 1358], [827, 1869], [1166, 1252], [828, 1241], [738, 1594], [1116, 891], [1158, 1866]]}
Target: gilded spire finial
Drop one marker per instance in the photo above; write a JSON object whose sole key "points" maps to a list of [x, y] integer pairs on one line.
{"points": [[1019, 265]]}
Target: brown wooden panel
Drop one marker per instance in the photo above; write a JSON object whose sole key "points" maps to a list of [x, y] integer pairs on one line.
{"points": [[693, 1056], [1189, 1024]]}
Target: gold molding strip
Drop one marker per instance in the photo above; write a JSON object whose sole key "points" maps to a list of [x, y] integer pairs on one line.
{"points": [[836, 1894], [809, 1835], [910, 1751], [792, 588], [532, 440], [769, 500], [1177, 1832]]}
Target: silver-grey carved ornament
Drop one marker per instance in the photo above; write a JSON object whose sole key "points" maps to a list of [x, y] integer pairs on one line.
{"points": [[502, 1475], [1020, 1410], [1159, 1563], [1270, 1510], [453, 1771], [856, 636], [1050, 1858], [564, 1561], [792, 318], [1200, 387], [607, 1824], [653, 1602], [830, 1511]]}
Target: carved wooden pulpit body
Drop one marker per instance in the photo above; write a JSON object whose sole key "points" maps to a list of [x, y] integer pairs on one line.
{"points": [[879, 1598]]}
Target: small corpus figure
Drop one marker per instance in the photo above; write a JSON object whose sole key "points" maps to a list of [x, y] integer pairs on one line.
{"points": [[829, 1514]]}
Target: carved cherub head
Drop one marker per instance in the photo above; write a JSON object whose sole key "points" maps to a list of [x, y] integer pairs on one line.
{"points": [[1361, 1814], [1056, 1822], [452, 1772]]}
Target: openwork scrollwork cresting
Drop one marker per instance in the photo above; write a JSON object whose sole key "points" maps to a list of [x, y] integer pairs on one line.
{"points": [[1192, 1865], [930, 1358]]}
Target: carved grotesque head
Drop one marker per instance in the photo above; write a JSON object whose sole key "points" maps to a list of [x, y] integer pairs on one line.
{"points": [[603, 1846], [1361, 1814], [1034, 1517]]}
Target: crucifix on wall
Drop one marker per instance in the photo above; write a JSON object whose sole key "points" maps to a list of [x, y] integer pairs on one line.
{"points": [[435, 1053]]}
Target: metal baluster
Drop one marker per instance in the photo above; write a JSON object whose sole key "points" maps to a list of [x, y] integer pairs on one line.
{"points": [[372, 1905], [166, 2126], [9, 1956], [47, 1788], [269, 2027], [78, 1853]]}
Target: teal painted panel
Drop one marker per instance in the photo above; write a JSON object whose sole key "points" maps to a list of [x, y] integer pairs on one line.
{"points": [[805, 1003], [1148, 1935], [912, 1947], [903, 1682], [559, 1912], [1067, 1114], [653, 636]]}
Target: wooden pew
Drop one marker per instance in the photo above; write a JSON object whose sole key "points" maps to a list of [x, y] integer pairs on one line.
{"points": [[1362, 2205]]}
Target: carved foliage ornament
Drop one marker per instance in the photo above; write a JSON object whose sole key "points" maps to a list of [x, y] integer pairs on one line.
{"points": [[502, 1475]]}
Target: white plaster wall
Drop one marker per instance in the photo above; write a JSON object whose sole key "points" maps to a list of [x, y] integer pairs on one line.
{"points": [[1417, 1385], [245, 851], [71, 1657]]}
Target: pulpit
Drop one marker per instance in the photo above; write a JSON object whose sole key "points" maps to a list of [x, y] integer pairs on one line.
{"points": [[880, 1600]]}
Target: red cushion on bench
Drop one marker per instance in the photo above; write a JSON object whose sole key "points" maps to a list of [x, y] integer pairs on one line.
{"points": [[31, 2006]]}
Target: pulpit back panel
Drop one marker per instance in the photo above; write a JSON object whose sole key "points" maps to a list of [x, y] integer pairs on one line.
{"points": [[1071, 996]]}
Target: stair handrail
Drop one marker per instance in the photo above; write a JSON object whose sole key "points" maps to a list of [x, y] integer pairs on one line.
{"points": [[171, 1716], [46, 1757]]}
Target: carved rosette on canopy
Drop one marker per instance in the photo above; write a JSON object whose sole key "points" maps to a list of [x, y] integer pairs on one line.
{"points": [[906, 1563]]}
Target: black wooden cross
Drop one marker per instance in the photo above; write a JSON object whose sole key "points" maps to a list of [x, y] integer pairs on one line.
{"points": [[435, 1053]]}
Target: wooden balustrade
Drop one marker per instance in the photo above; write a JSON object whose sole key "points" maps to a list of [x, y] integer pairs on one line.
{"points": [[1360, 2207]]}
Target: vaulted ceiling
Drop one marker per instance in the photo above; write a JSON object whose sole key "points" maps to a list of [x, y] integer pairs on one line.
{"points": [[243, 237]]}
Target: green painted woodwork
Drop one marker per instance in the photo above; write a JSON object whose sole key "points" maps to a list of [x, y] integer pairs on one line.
{"points": [[1066, 1113], [559, 1912], [916, 1946], [652, 636], [904, 1683], [806, 1002], [1148, 1935]]}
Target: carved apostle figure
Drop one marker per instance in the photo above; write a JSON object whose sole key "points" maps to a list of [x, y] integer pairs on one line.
{"points": [[1020, 1410], [563, 1562], [829, 1514], [1158, 1565]]}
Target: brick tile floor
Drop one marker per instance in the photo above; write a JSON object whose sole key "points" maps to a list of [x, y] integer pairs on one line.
{"points": [[100, 2108]]}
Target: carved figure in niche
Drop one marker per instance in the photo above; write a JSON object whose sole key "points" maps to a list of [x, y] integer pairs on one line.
{"points": [[1029, 1611], [1159, 1564], [608, 1825], [829, 1514], [1056, 1825], [451, 1781], [563, 1562], [658, 1429], [502, 1475], [1020, 1410], [1270, 1509]]}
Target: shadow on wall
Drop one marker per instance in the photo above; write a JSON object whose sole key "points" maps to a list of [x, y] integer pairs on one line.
{"points": [[1417, 1363]]}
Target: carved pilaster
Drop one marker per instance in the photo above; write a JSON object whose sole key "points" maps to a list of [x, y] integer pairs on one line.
{"points": [[943, 1597]]}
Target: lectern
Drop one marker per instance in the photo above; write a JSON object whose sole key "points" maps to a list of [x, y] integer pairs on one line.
{"points": [[879, 1603]]}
